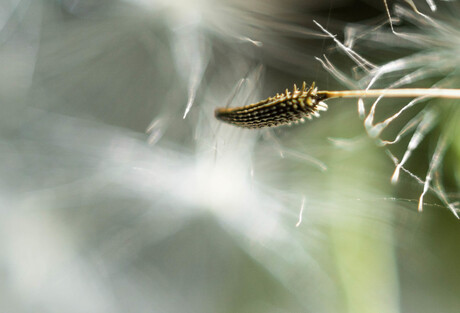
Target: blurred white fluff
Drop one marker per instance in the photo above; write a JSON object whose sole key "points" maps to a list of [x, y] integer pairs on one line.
{"points": [[194, 23], [88, 207], [432, 44]]}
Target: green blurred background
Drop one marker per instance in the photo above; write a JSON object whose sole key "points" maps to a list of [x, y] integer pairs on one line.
{"points": [[111, 201]]}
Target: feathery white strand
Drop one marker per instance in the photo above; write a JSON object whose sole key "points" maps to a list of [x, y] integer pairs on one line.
{"points": [[378, 128], [436, 160], [412, 124], [359, 60], [423, 128], [334, 71], [302, 206]]}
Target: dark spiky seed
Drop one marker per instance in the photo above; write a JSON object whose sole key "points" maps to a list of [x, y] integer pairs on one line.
{"points": [[275, 111]]}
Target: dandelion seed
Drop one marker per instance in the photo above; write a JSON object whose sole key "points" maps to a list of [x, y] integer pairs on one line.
{"points": [[281, 110], [274, 111]]}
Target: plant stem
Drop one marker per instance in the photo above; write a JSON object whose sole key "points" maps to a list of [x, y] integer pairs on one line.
{"points": [[392, 93]]}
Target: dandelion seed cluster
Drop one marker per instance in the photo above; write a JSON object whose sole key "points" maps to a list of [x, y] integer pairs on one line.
{"points": [[283, 109], [432, 58]]}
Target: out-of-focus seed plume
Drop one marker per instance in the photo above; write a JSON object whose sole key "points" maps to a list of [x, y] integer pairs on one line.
{"points": [[426, 54], [89, 210], [112, 201]]}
